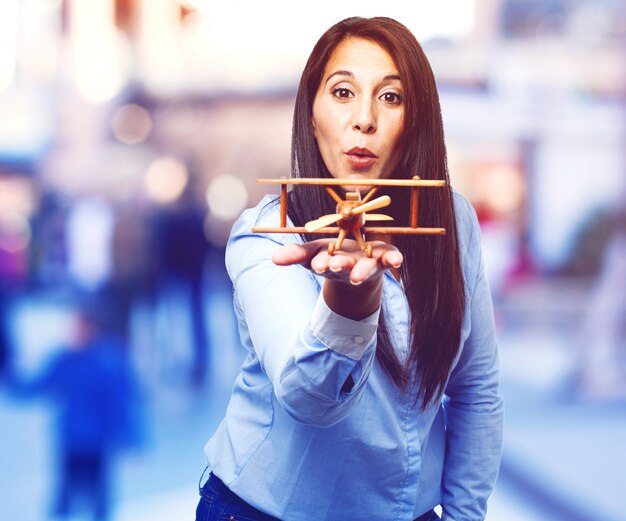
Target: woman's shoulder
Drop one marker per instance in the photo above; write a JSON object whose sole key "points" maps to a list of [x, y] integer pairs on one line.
{"points": [[466, 219], [266, 214], [468, 233]]}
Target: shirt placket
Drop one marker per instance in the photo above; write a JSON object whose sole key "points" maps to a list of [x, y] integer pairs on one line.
{"points": [[397, 320]]}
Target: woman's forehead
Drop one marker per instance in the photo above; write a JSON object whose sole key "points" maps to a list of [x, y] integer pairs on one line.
{"points": [[355, 55]]}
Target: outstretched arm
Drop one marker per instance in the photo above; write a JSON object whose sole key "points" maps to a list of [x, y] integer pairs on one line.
{"points": [[317, 354], [353, 285]]}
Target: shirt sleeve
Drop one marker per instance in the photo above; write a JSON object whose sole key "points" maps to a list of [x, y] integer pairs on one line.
{"points": [[473, 406], [317, 360]]}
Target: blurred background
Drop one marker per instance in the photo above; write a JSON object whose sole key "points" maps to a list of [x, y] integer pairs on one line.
{"points": [[131, 135]]}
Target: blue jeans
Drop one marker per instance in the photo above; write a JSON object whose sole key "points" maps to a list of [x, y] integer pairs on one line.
{"points": [[218, 503], [428, 516]]}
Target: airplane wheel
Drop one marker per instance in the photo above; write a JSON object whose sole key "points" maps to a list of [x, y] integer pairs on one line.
{"points": [[331, 248], [368, 250]]}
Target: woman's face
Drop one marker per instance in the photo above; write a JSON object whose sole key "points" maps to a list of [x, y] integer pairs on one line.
{"points": [[358, 111]]}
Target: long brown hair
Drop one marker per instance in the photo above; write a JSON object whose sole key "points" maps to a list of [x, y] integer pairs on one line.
{"points": [[431, 272]]}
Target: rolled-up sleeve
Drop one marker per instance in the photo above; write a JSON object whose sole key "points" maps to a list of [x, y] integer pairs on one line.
{"points": [[473, 406], [317, 361]]}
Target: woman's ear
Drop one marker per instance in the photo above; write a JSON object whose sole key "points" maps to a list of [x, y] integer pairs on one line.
{"points": [[313, 127]]}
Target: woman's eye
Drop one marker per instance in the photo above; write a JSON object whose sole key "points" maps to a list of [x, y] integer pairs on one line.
{"points": [[391, 97], [342, 92]]}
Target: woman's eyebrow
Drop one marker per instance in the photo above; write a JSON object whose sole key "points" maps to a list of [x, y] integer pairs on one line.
{"points": [[389, 77], [339, 73]]}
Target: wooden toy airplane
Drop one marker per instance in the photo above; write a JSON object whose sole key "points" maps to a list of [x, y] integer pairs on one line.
{"points": [[351, 214]]}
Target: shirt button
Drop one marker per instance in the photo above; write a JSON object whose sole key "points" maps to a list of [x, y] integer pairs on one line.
{"points": [[358, 339]]}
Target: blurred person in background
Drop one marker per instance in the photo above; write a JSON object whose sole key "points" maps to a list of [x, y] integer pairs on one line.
{"points": [[49, 248], [4, 335], [13, 281], [370, 389], [134, 274], [96, 400], [600, 366], [183, 252]]}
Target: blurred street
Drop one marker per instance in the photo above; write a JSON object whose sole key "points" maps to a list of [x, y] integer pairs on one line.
{"points": [[564, 453], [563, 460]]}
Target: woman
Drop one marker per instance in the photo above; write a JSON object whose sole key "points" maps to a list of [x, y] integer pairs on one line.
{"points": [[370, 391]]}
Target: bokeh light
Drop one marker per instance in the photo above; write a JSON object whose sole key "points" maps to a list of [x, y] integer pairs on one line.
{"points": [[131, 124], [100, 52], [15, 232], [503, 189], [226, 196], [8, 42], [17, 196], [166, 179], [100, 80]]}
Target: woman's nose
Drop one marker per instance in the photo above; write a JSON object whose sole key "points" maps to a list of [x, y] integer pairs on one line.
{"points": [[364, 118]]}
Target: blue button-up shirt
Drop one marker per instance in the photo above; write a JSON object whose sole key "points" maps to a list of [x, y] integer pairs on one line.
{"points": [[296, 444]]}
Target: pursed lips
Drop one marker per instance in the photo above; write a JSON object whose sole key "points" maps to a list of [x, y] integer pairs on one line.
{"points": [[361, 157]]}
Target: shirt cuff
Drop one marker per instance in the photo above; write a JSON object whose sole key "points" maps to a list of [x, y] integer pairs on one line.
{"points": [[343, 335]]}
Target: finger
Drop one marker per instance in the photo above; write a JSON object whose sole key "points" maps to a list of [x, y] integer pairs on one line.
{"points": [[319, 263], [338, 263], [365, 269], [290, 254], [391, 259]]}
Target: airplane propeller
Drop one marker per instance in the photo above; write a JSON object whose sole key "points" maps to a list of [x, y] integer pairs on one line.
{"points": [[374, 204], [377, 217], [349, 211], [325, 220]]}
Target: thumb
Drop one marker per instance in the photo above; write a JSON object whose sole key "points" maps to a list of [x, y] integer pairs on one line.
{"points": [[291, 254]]}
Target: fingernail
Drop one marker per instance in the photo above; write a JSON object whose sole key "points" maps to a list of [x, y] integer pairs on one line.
{"points": [[335, 270], [356, 283], [319, 272]]}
